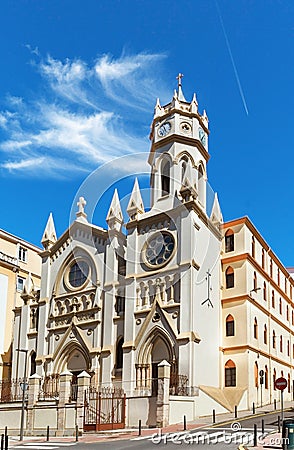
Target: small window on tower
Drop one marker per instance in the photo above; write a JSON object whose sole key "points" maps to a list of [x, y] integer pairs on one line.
{"points": [[229, 241]]}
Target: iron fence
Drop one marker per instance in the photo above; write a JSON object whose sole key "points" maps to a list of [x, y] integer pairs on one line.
{"points": [[12, 390], [49, 388]]}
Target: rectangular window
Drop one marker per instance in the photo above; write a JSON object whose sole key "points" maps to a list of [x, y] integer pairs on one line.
{"points": [[22, 254], [20, 283], [230, 328], [230, 376], [229, 243]]}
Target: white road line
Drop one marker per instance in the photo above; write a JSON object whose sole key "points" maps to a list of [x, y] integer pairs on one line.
{"points": [[39, 447]]}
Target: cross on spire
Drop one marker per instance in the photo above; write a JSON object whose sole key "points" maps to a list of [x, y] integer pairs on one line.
{"points": [[179, 78], [81, 215]]}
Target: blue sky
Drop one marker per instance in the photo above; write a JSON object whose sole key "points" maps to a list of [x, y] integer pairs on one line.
{"points": [[79, 80]]}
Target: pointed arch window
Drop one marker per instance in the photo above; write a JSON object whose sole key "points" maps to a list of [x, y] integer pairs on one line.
{"points": [[273, 299], [229, 241], [230, 373], [184, 162], [274, 339], [274, 379], [264, 291], [271, 268], [165, 177], [253, 247], [280, 306], [255, 329], [265, 334], [230, 326], [33, 363], [230, 278], [278, 276], [288, 348], [119, 354], [266, 377], [281, 344], [201, 182], [254, 282], [256, 374], [287, 312], [263, 259]]}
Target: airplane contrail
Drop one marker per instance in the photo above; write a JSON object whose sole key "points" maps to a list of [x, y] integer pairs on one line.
{"points": [[232, 59]]}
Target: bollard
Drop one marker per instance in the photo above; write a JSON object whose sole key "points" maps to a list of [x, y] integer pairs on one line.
{"points": [[5, 432], [185, 423], [236, 412], [262, 426], [140, 427], [253, 408], [48, 432], [2, 441], [275, 404], [279, 424], [255, 436], [77, 433], [213, 416], [6, 442]]}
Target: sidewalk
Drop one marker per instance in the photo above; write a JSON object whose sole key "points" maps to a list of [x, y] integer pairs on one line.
{"points": [[130, 433]]}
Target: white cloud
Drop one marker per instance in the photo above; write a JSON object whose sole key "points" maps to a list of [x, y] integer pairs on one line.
{"points": [[80, 119]]}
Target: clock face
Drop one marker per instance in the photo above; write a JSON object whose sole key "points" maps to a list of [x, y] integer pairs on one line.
{"points": [[202, 136], [159, 249], [164, 129]]}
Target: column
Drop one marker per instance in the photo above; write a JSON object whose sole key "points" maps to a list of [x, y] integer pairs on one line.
{"points": [[162, 411], [84, 380], [64, 398], [33, 394]]}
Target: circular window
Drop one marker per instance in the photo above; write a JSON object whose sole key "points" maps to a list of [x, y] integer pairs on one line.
{"points": [[78, 274], [159, 249]]}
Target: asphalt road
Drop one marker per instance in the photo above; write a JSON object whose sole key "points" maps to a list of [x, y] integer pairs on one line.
{"points": [[223, 436]]}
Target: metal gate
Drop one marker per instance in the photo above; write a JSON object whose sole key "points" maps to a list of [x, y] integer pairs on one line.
{"points": [[104, 409]]}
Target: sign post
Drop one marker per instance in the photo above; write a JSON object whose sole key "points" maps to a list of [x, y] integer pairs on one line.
{"points": [[281, 384]]}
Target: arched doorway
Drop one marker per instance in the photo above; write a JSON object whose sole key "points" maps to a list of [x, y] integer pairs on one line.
{"points": [[160, 351]]}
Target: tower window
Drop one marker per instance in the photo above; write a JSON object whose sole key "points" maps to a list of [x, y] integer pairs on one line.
{"points": [[230, 326], [265, 335], [22, 254], [255, 329], [229, 241], [230, 281], [119, 354], [274, 339], [165, 178], [273, 299], [280, 306], [274, 378], [281, 344], [264, 291], [263, 259], [253, 247], [230, 374]]}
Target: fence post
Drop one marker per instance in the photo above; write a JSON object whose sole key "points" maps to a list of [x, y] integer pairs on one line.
{"points": [[213, 416], [140, 427], [185, 423], [48, 433], [255, 436], [236, 412]]}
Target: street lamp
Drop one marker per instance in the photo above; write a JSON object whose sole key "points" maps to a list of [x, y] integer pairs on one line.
{"points": [[24, 385]]}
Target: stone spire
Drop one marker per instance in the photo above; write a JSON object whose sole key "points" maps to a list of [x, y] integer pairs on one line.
{"points": [[181, 96], [194, 104], [49, 235], [28, 289], [114, 217], [216, 215], [135, 205], [81, 215]]}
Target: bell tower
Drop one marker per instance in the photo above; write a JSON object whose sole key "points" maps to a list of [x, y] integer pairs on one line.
{"points": [[179, 150]]}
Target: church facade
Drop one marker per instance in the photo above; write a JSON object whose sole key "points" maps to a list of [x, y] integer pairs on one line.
{"points": [[116, 304]]}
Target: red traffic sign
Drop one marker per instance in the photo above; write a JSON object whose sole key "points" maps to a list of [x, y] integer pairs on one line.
{"points": [[281, 383]]}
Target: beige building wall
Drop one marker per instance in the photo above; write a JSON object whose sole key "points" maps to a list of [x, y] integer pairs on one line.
{"points": [[18, 259], [261, 305]]}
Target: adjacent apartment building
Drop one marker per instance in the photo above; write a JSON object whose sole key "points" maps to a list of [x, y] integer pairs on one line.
{"points": [[18, 260]]}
